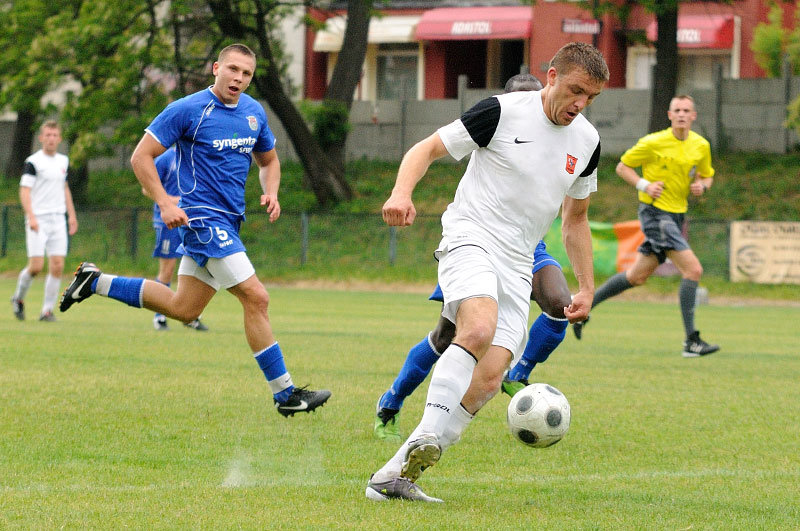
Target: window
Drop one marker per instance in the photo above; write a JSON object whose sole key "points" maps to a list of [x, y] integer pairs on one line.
{"points": [[397, 71]]}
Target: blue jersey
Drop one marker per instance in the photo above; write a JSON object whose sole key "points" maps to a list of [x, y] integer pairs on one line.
{"points": [[166, 166], [214, 143]]}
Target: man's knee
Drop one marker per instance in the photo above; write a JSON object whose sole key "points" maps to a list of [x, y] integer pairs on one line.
{"points": [[477, 337], [553, 304]]}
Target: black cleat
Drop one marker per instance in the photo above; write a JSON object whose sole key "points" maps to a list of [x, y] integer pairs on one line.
{"points": [[19, 308], [694, 347], [302, 400], [577, 328], [81, 286]]}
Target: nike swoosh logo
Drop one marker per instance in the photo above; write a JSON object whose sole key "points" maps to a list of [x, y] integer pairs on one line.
{"points": [[518, 141], [76, 293], [303, 405]]}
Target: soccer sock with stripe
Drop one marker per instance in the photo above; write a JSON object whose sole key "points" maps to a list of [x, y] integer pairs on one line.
{"points": [[613, 286], [544, 337], [24, 280], [52, 286], [449, 382], [686, 295], [418, 364], [270, 360], [125, 289]]}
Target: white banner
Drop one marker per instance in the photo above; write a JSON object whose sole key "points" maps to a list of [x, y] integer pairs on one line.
{"points": [[765, 252]]}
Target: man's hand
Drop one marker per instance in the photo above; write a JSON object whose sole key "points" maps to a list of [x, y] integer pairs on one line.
{"points": [[72, 225], [399, 211], [697, 188], [172, 215], [33, 223], [654, 189], [579, 308], [270, 201]]}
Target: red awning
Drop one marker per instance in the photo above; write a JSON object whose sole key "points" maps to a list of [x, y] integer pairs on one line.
{"points": [[475, 23], [701, 31]]}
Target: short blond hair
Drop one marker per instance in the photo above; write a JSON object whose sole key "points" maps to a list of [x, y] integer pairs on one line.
{"points": [[49, 124], [580, 55]]}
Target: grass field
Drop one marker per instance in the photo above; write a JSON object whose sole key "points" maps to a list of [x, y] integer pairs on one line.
{"points": [[106, 423]]}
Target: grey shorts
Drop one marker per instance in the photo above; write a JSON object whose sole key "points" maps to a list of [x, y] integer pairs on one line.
{"points": [[663, 232]]}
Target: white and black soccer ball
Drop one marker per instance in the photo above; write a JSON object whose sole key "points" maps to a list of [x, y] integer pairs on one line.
{"points": [[538, 415]]}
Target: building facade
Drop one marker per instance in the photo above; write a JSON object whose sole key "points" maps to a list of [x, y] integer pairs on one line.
{"points": [[417, 50]]}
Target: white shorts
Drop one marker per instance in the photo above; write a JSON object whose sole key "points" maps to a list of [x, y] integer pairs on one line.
{"points": [[50, 239], [218, 273], [469, 271]]}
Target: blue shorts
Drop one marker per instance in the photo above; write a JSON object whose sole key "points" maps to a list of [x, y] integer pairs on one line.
{"points": [[167, 242], [210, 238], [540, 259]]}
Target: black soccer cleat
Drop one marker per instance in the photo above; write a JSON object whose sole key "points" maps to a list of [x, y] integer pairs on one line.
{"points": [[81, 286], [577, 328], [302, 400], [19, 308], [694, 347]]}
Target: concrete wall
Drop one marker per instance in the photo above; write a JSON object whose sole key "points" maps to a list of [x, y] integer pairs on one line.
{"points": [[738, 115]]}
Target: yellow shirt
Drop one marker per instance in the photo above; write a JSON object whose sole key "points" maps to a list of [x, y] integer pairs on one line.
{"points": [[674, 162]]}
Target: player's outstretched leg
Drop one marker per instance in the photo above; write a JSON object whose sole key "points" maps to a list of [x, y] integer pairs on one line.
{"points": [[545, 335], [415, 369], [81, 287]]}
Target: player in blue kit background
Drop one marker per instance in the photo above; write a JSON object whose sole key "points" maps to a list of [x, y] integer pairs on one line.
{"points": [[168, 240], [218, 132], [549, 289]]}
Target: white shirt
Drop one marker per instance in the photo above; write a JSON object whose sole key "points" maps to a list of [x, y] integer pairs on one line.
{"points": [[46, 176], [521, 169]]}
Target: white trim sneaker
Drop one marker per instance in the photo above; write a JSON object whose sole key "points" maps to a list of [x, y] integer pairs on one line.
{"points": [[423, 452], [397, 488]]}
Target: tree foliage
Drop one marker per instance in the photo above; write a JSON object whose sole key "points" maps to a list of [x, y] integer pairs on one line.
{"points": [[117, 63]]}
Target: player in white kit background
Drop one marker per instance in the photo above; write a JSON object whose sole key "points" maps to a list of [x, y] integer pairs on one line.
{"points": [[532, 152], [45, 197]]}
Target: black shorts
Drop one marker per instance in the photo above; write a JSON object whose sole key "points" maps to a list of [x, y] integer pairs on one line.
{"points": [[663, 232]]}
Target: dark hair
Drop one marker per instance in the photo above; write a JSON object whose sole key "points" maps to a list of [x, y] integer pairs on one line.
{"points": [[241, 48], [580, 55], [522, 82]]}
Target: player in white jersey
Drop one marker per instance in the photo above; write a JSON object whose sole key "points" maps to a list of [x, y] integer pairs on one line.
{"points": [[45, 197], [532, 152]]}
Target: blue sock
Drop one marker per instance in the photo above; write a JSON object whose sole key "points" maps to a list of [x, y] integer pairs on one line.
{"points": [[545, 335], [127, 290], [418, 364], [271, 362]]}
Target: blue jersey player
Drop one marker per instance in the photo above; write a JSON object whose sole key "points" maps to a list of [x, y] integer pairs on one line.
{"points": [[550, 291], [218, 132], [168, 240]]}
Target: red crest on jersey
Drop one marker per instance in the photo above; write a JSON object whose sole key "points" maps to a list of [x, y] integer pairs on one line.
{"points": [[571, 162]]}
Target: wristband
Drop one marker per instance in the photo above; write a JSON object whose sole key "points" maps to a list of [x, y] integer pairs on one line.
{"points": [[642, 184]]}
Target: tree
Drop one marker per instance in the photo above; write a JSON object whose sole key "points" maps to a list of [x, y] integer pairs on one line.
{"points": [[254, 21], [23, 80], [773, 44]]}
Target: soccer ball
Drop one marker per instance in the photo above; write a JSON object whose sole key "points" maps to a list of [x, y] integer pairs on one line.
{"points": [[538, 415]]}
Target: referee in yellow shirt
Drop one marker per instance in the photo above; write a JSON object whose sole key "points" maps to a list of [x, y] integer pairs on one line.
{"points": [[675, 162]]}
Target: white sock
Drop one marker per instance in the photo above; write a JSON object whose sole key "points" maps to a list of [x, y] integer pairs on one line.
{"points": [[458, 423], [449, 382], [104, 284], [23, 284], [52, 286]]}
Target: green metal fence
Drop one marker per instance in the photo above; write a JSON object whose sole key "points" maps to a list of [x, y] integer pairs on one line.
{"points": [[357, 245]]}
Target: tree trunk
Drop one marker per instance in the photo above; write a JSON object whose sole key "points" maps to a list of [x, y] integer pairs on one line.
{"points": [[21, 144], [665, 73], [79, 184], [347, 72]]}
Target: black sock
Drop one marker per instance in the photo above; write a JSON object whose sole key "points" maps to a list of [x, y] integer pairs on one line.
{"points": [[613, 286], [686, 296]]}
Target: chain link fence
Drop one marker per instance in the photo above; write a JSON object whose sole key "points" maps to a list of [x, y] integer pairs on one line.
{"points": [[297, 244]]}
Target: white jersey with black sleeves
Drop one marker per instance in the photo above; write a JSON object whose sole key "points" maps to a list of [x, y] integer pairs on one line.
{"points": [[521, 169], [46, 175]]}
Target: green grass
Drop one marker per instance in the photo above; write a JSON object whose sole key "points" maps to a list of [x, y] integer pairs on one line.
{"points": [[106, 423]]}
